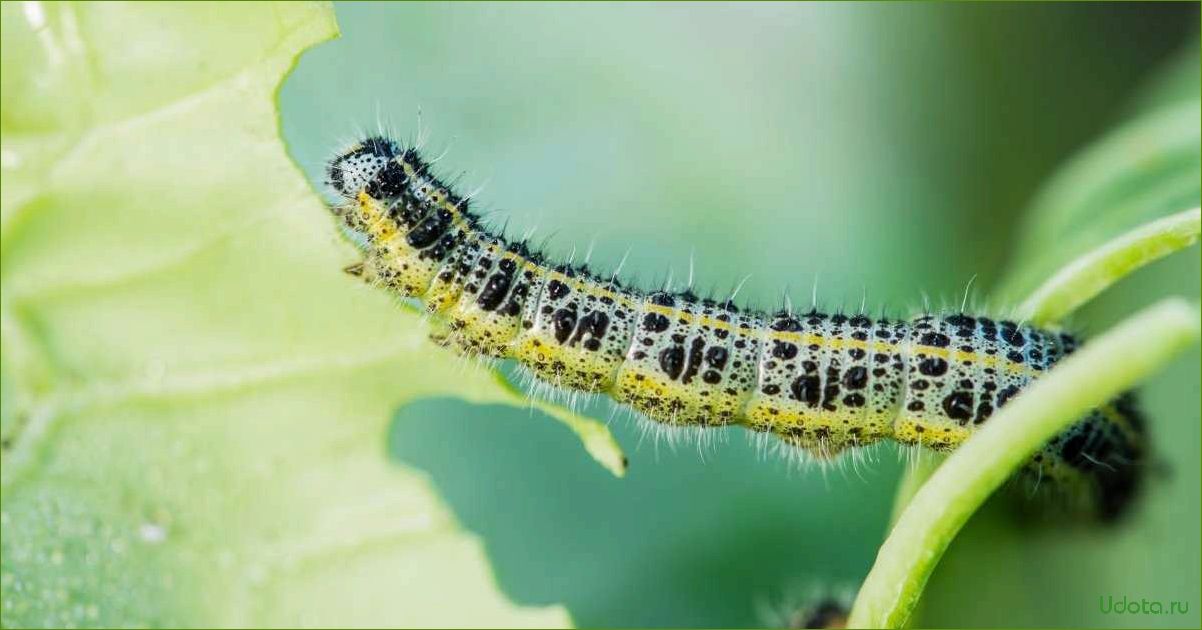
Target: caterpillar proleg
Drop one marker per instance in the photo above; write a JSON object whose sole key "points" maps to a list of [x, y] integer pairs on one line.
{"points": [[819, 382]]}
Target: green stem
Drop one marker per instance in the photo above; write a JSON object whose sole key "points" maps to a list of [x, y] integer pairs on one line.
{"points": [[1087, 276], [912, 480], [1098, 372]]}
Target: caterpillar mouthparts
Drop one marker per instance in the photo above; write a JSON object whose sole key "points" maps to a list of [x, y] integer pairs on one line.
{"points": [[820, 382]]}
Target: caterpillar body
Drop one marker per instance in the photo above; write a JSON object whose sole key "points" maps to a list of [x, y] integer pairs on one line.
{"points": [[820, 382]]}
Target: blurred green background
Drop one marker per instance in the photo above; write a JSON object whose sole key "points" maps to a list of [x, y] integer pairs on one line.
{"points": [[883, 152]]}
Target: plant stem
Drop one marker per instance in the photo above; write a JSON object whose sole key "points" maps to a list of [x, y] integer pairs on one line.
{"points": [[1098, 372], [1087, 276], [912, 480]]}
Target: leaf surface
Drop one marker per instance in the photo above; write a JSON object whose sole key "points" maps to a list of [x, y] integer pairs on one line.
{"points": [[195, 398]]}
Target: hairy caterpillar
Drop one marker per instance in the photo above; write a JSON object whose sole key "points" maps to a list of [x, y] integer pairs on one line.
{"points": [[820, 382]]}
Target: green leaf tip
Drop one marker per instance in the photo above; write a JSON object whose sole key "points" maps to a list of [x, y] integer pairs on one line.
{"points": [[1100, 370], [1092, 273], [594, 435], [1141, 171]]}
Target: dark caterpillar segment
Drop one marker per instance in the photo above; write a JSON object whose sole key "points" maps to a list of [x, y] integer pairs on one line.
{"points": [[452, 274], [817, 385], [820, 382], [571, 336], [590, 330], [1096, 461], [888, 384], [682, 344], [789, 383], [656, 361], [856, 380], [479, 325], [429, 230], [938, 406], [960, 369], [390, 182]]}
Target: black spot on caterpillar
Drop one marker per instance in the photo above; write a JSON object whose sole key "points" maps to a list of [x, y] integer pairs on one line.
{"points": [[823, 383]]}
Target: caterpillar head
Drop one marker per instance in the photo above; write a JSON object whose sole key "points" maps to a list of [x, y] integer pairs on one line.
{"points": [[353, 169], [826, 613], [821, 607]]}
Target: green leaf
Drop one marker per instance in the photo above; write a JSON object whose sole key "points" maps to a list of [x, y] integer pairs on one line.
{"points": [[195, 398], [1092, 273], [1144, 170], [1102, 369]]}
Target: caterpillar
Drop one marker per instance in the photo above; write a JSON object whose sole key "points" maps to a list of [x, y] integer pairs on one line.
{"points": [[820, 382]]}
